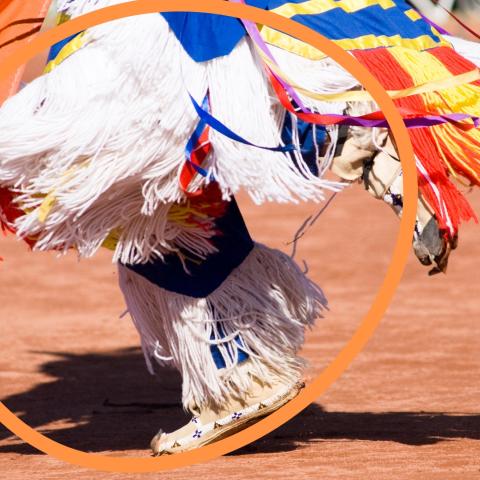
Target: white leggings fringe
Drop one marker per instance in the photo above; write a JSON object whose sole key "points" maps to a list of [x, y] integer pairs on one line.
{"points": [[262, 308]]}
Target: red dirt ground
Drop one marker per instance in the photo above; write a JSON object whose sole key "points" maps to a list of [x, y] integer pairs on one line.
{"points": [[407, 408]]}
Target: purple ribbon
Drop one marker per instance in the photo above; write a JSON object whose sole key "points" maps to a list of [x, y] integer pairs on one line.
{"points": [[440, 29], [252, 30]]}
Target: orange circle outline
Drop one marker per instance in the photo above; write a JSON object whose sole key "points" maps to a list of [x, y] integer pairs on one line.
{"points": [[382, 299]]}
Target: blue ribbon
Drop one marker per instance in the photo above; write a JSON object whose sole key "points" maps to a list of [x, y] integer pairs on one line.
{"points": [[224, 130], [195, 139]]}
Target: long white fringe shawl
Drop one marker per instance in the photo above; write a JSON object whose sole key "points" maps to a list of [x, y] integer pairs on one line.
{"points": [[113, 120], [106, 129], [243, 99], [265, 305]]}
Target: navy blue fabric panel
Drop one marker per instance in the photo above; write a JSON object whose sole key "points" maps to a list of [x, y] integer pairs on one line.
{"points": [[234, 244], [205, 36], [220, 362], [217, 356], [306, 132]]}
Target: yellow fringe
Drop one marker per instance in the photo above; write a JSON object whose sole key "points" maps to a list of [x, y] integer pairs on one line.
{"points": [[178, 213], [424, 67], [450, 81]]}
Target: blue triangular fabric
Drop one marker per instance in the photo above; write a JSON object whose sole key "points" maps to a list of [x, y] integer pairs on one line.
{"points": [[205, 36]]}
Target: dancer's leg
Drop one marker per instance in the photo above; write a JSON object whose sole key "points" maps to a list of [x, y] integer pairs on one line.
{"points": [[232, 326]]}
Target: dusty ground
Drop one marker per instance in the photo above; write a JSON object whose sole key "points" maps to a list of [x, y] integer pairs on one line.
{"points": [[407, 408]]}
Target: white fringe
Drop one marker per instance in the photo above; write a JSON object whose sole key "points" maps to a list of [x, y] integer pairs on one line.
{"points": [[74, 8], [267, 302], [105, 134], [114, 111], [319, 76], [140, 237], [242, 98], [110, 125]]}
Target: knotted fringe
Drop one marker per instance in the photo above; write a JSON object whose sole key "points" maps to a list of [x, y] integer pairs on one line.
{"points": [[263, 308], [241, 97], [443, 150], [93, 150], [320, 76], [74, 8]]}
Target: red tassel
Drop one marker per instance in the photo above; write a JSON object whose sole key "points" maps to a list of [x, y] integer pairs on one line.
{"points": [[393, 77], [10, 213], [453, 61]]}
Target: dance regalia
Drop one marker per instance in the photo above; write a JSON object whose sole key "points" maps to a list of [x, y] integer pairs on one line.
{"points": [[141, 131]]}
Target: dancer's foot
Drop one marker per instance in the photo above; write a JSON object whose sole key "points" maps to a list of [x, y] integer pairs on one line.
{"points": [[210, 425]]}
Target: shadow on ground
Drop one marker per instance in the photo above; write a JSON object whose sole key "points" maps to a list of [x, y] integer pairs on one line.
{"points": [[109, 402]]}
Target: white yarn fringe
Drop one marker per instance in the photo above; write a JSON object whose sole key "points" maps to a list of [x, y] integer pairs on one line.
{"points": [[243, 99], [104, 134], [319, 76], [109, 126], [74, 8], [265, 305]]}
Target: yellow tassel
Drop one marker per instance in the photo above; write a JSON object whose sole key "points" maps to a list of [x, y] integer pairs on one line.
{"points": [[463, 146]]}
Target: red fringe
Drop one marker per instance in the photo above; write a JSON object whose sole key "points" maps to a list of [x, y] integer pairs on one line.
{"points": [[393, 77], [454, 62], [10, 212]]}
